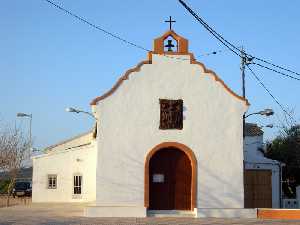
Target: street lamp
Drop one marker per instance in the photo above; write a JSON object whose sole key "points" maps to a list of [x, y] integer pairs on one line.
{"points": [[265, 112], [30, 126], [73, 110], [268, 126]]}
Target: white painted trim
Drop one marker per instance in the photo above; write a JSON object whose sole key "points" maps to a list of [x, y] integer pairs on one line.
{"points": [[227, 213]]}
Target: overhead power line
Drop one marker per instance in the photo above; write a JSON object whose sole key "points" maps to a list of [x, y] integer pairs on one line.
{"points": [[219, 37], [276, 71], [113, 35], [229, 45], [237, 51], [214, 52], [97, 27], [269, 92], [280, 67], [247, 57]]}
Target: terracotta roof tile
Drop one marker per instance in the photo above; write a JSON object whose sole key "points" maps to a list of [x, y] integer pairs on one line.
{"points": [[251, 129]]}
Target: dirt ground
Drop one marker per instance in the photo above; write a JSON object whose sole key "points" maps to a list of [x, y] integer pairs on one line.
{"points": [[63, 214]]}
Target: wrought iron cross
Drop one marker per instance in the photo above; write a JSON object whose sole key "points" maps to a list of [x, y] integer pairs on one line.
{"points": [[170, 21]]}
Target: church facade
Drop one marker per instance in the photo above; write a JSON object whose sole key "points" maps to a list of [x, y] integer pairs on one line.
{"points": [[169, 136]]}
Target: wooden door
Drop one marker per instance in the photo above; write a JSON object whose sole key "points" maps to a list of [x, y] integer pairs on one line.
{"points": [[258, 188], [183, 178], [170, 180]]}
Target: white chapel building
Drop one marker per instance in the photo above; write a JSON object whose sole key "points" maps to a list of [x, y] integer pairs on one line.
{"points": [[169, 136]]}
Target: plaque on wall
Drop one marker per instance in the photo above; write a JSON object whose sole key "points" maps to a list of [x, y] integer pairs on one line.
{"points": [[171, 114], [158, 178]]}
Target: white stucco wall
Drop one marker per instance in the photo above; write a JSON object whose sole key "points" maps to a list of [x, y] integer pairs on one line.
{"points": [[255, 160], [129, 129], [65, 163], [251, 146]]}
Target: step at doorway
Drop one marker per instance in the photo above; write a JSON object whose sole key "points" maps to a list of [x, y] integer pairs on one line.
{"points": [[171, 213]]}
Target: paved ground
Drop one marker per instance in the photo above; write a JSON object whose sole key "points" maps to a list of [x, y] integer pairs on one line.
{"points": [[48, 214]]}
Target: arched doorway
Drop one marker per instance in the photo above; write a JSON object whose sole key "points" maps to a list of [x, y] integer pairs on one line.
{"points": [[170, 178]]}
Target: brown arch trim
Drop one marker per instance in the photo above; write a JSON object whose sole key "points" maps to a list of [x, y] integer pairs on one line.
{"points": [[218, 79], [167, 54], [120, 81], [193, 160]]}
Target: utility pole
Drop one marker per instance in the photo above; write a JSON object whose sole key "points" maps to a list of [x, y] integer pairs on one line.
{"points": [[30, 133], [245, 60], [243, 65]]}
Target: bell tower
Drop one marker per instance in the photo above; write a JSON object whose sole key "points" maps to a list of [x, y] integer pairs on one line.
{"points": [[170, 43]]}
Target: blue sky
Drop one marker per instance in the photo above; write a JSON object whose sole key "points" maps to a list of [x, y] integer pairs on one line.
{"points": [[50, 61]]}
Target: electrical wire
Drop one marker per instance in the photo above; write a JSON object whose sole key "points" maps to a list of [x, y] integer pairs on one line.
{"points": [[276, 71], [97, 27], [269, 92], [280, 67], [119, 37], [233, 48], [214, 52], [236, 49]]}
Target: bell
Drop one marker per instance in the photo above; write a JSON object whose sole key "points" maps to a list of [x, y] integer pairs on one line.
{"points": [[169, 46]]}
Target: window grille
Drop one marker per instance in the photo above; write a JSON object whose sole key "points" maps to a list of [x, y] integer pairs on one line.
{"points": [[77, 184], [52, 181]]}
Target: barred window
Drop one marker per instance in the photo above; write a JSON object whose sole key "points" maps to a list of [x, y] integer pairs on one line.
{"points": [[77, 184], [52, 181], [171, 114]]}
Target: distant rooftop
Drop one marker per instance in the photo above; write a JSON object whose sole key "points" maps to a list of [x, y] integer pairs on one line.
{"points": [[251, 130]]}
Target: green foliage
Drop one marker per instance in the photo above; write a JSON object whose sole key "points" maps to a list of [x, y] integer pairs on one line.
{"points": [[3, 186], [286, 148]]}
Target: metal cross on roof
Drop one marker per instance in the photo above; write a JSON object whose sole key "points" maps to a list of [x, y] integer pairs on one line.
{"points": [[170, 21]]}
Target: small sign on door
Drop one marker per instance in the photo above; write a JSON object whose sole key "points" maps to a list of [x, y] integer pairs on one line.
{"points": [[158, 178]]}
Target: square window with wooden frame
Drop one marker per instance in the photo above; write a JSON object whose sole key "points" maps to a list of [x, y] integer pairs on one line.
{"points": [[52, 181], [171, 114], [77, 179]]}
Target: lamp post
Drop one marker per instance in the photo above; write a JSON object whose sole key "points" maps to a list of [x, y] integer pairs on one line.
{"points": [[265, 112], [30, 126], [73, 110]]}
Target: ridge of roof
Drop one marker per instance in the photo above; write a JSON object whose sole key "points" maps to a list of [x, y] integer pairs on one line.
{"points": [[68, 140]]}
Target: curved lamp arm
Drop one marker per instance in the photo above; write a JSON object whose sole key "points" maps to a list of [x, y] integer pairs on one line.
{"points": [[265, 112], [70, 109]]}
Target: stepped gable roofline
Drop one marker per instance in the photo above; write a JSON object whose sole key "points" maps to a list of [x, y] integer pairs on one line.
{"points": [[159, 49]]}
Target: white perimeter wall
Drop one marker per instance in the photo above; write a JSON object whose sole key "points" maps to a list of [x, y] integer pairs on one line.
{"points": [[129, 129], [65, 164]]}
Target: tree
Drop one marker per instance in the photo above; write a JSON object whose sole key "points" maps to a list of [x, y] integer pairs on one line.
{"points": [[286, 148], [14, 147]]}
